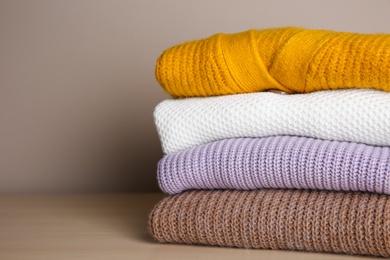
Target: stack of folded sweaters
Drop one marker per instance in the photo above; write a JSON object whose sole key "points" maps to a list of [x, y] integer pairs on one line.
{"points": [[276, 139]]}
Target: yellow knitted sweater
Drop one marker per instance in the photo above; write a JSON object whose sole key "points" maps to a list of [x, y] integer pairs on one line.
{"points": [[290, 59]]}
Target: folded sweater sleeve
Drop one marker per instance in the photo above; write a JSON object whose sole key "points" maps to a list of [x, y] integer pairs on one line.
{"points": [[290, 59]]}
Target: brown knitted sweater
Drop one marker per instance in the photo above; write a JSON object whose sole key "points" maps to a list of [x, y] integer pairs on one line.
{"points": [[340, 222]]}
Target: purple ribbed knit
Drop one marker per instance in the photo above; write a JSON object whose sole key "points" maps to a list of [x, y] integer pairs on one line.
{"points": [[277, 162]]}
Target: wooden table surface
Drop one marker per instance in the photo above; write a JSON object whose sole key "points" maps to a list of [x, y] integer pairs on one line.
{"points": [[102, 227]]}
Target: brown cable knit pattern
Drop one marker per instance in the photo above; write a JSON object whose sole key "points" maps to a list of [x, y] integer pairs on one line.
{"points": [[310, 220]]}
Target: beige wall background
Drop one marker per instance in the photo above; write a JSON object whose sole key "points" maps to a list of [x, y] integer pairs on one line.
{"points": [[78, 88]]}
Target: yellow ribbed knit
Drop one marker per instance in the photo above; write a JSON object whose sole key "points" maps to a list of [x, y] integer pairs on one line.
{"points": [[290, 59]]}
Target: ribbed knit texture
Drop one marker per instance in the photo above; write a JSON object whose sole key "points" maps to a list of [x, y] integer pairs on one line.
{"points": [[355, 115], [291, 59], [277, 162], [327, 221]]}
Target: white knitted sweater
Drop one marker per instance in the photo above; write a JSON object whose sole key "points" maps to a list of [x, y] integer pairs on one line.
{"points": [[355, 115]]}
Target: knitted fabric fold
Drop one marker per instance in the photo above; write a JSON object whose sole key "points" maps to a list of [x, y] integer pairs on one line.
{"points": [[354, 115], [322, 221], [294, 60], [277, 162]]}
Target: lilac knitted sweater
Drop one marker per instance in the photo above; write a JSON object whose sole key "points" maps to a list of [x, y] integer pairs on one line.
{"points": [[277, 162]]}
